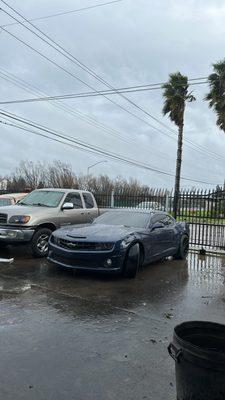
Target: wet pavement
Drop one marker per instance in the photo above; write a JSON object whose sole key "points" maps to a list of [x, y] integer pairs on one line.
{"points": [[67, 335]]}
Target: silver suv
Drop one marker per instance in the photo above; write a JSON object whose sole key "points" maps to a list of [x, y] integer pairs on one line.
{"points": [[36, 216]]}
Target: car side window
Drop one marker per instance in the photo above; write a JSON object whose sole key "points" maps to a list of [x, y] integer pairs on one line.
{"points": [[74, 198], [168, 220], [157, 218], [88, 199]]}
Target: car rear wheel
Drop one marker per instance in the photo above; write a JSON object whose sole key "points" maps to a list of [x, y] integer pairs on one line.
{"points": [[183, 249], [132, 261], [39, 243]]}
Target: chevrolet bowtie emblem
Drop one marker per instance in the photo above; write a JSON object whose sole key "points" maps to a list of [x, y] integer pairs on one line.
{"points": [[72, 245]]}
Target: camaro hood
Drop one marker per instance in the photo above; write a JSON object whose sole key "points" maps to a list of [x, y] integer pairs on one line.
{"points": [[96, 232]]}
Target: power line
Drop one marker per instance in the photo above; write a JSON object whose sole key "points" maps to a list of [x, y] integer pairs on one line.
{"points": [[68, 55], [66, 12], [81, 143], [61, 50], [155, 128], [92, 73], [88, 94], [31, 123], [75, 113], [92, 121], [91, 148], [80, 80], [83, 66]]}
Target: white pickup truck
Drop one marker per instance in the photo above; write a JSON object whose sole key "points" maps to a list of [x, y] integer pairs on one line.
{"points": [[36, 216]]}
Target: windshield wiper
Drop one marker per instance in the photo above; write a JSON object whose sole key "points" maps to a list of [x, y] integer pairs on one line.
{"points": [[40, 205]]}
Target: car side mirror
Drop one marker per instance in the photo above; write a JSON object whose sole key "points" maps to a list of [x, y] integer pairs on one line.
{"points": [[67, 206], [157, 225]]}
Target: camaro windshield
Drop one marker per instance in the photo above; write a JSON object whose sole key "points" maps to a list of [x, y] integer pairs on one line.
{"points": [[42, 198], [126, 218]]}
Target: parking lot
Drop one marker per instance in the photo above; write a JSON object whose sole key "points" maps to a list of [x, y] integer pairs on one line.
{"points": [[67, 335]]}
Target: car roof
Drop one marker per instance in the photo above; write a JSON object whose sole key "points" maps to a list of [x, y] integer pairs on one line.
{"points": [[63, 190], [136, 211]]}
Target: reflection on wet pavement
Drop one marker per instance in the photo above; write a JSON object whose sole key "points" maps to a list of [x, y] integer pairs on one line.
{"points": [[68, 335]]}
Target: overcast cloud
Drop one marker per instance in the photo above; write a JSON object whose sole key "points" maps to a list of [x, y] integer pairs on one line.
{"points": [[132, 42]]}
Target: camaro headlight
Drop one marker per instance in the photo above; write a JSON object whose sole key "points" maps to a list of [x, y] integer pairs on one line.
{"points": [[19, 219], [125, 243]]}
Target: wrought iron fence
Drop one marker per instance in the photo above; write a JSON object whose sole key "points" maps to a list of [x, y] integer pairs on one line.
{"points": [[146, 199], [203, 210]]}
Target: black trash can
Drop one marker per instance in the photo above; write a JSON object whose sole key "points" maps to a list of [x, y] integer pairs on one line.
{"points": [[198, 349]]}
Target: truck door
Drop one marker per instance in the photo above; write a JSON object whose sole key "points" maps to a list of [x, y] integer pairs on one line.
{"points": [[75, 215]]}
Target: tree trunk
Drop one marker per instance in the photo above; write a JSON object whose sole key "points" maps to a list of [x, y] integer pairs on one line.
{"points": [[178, 170]]}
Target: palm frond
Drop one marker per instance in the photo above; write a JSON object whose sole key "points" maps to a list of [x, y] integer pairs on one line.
{"points": [[175, 93], [216, 95]]}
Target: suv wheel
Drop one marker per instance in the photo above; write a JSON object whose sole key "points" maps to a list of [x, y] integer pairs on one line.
{"points": [[39, 243]]}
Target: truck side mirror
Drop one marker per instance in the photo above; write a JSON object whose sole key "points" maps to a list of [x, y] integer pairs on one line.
{"points": [[67, 206]]}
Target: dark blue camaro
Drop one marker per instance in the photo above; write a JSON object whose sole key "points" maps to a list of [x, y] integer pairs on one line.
{"points": [[119, 241]]}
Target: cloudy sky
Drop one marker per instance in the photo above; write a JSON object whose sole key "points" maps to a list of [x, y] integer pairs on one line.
{"points": [[131, 42]]}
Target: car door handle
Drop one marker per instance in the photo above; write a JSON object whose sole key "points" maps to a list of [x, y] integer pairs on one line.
{"points": [[82, 213]]}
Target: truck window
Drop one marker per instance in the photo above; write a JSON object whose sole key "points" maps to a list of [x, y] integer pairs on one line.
{"points": [[44, 198], [74, 198], [88, 199]]}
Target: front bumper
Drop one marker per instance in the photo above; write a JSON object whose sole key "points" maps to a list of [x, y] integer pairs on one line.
{"points": [[88, 261], [13, 235]]}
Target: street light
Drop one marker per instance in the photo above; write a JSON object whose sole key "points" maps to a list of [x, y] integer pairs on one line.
{"points": [[90, 166]]}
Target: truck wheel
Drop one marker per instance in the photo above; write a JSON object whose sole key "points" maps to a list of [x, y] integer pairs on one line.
{"points": [[132, 261], [39, 243], [183, 249]]}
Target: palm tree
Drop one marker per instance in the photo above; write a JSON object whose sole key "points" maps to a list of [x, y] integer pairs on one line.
{"points": [[216, 96], [176, 95]]}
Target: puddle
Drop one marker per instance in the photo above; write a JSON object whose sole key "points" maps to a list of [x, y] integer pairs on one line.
{"points": [[9, 288]]}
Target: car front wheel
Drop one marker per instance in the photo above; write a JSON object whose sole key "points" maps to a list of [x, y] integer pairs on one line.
{"points": [[39, 243], [183, 249], [132, 261]]}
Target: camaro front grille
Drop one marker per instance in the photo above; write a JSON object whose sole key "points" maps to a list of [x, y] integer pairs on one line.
{"points": [[3, 218], [85, 246]]}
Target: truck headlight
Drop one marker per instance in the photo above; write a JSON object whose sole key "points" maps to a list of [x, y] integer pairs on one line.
{"points": [[19, 219]]}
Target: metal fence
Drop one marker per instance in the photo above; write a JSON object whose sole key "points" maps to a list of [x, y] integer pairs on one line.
{"points": [[203, 210], [146, 199]]}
